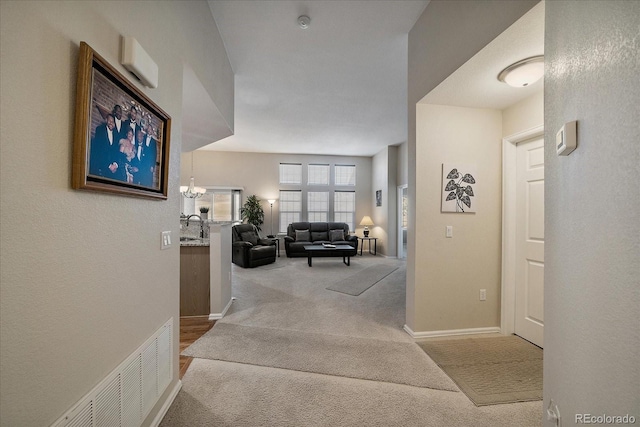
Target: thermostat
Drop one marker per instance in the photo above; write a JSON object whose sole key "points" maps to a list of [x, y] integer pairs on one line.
{"points": [[566, 139]]}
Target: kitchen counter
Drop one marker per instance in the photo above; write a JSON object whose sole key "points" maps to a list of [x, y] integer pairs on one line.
{"points": [[194, 241]]}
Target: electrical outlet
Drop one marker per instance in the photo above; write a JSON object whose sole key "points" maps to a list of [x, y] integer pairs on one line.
{"points": [[483, 294]]}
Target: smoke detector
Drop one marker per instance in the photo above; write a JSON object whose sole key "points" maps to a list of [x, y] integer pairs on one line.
{"points": [[304, 21]]}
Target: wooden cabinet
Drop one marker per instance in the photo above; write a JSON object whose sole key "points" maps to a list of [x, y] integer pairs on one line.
{"points": [[194, 280]]}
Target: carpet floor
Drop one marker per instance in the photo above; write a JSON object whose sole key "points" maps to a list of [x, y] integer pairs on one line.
{"points": [[290, 305], [356, 284]]}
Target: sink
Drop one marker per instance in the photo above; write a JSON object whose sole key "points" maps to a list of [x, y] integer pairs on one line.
{"points": [[188, 239]]}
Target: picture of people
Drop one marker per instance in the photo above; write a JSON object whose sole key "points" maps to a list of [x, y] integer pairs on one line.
{"points": [[124, 137], [121, 139]]}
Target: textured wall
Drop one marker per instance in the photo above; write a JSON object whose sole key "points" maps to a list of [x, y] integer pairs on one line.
{"points": [[83, 279], [592, 291]]}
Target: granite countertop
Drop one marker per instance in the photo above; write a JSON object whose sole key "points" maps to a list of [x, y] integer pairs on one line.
{"points": [[194, 241]]}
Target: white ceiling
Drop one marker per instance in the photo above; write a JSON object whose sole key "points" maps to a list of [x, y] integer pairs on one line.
{"points": [[339, 87], [475, 84]]}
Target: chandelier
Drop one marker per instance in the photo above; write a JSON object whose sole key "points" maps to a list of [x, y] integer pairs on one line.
{"points": [[191, 191]]}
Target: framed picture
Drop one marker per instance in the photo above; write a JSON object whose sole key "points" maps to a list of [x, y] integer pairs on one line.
{"points": [[378, 197], [458, 188], [121, 138]]}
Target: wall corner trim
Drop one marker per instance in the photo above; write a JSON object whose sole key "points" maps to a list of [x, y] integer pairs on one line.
{"points": [[218, 316], [451, 332], [167, 404]]}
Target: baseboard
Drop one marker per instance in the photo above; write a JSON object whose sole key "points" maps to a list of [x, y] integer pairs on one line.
{"points": [[167, 404], [218, 316], [451, 332]]}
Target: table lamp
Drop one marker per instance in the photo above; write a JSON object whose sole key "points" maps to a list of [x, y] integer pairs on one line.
{"points": [[366, 221]]}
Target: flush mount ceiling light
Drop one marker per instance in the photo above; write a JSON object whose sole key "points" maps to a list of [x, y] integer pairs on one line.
{"points": [[304, 21], [523, 73]]}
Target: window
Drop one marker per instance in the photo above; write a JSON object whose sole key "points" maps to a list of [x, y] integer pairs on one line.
{"points": [[318, 174], [344, 207], [345, 175], [290, 173], [290, 208], [318, 206]]}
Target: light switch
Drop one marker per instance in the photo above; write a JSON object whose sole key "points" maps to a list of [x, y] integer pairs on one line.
{"points": [[165, 242], [449, 230]]}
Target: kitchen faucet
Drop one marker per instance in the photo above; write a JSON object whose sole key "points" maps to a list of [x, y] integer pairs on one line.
{"points": [[201, 224]]}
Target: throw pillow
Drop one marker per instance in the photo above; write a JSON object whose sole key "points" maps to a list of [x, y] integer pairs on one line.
{"points": [[336, 235], [319, 235], [303, 236], [249, 236]]}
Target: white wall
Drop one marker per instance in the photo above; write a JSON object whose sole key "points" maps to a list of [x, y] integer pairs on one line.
{"points": [[73, 303], [385, 164], [445, 36], [258, 173], [451, 271], [592, 252], [523, 115]]}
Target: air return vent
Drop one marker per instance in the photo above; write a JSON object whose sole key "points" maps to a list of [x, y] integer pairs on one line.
{"points": [[128, 394]]}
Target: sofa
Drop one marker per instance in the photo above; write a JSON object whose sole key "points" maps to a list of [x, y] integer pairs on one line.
{"points": [[300, 234], [248, 249]]}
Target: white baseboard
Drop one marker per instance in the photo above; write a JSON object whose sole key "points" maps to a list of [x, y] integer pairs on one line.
{"points": [[218, 316], [165, 407], [451, 332]]}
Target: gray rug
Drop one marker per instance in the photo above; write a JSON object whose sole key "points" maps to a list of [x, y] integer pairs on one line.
{"points": [[356, 284], [491, 371], [352, 357]]}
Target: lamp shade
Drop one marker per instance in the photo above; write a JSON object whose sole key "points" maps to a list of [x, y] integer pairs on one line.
{"points": [[271, 201], [366, 221]]}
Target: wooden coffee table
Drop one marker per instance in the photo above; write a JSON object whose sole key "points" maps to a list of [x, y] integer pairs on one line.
{"points": [[322, 251]]}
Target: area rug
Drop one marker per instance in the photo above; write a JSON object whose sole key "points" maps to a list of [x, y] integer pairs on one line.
{"points": [[352, 357], [491, 371], [356, 284]]}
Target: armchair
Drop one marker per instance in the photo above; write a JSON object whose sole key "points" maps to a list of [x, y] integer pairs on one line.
{"points": [[248, 249]]}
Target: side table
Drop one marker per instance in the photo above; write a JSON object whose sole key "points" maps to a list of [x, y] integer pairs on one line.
{"points": [[369, 239]]}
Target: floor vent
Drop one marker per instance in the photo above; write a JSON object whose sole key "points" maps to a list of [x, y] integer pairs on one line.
{"points": [[128, 394]]}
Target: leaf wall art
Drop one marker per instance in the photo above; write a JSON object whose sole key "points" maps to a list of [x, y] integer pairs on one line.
{"points": [[459, 188]]}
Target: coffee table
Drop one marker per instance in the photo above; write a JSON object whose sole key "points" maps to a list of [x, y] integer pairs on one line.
{"points": [[322, 251]]}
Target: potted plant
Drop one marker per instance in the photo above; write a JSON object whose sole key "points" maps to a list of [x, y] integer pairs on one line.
{"points": [[204, 212], [252, 211]]}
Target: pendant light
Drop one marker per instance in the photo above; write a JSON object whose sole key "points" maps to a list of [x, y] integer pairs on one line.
{"points": [[191, 191]]}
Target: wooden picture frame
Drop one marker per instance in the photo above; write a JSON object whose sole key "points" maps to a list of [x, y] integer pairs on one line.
{"points": [[121, 137]]}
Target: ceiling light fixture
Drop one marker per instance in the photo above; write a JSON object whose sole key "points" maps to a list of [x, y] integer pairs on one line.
{"points": [[523, 73], [191, 191], [304, 21]]}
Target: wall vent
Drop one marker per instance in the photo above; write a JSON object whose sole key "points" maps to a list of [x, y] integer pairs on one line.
{"points": [[127, 395]]}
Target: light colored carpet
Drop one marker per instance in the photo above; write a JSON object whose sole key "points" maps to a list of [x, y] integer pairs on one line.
{"points": [[491, 370], [293, 298], [224, 394], [356, 284], [363, 358]]}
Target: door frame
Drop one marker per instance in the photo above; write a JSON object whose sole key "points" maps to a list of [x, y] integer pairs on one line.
{"points": [[508, 297], [399, 236]]}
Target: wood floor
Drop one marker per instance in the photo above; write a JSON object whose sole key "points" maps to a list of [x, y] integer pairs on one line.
{"points": [[191, 328]]}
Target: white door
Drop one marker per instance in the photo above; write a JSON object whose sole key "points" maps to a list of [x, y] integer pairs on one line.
{"points": [[529, 322]]}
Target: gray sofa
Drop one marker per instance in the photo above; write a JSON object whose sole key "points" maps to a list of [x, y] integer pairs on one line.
{"points": [[300, 234]]}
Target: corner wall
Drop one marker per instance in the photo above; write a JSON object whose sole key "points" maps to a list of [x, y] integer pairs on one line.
{"points": [[73, 304], [385, 164], [445, 36], [592, 253]]}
